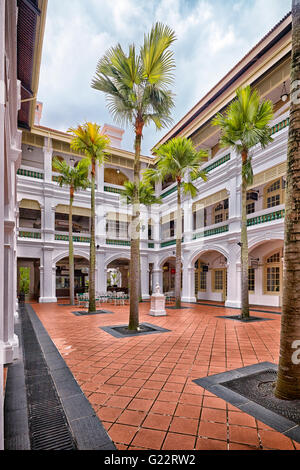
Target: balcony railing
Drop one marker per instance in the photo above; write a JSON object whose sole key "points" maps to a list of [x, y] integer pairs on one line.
{"points": [[113, 189], [168, 243], [217, 163], [32, 233], [31, 173], [280, 125], [76, 238], [207, 168], [212, 230], [267, 215], [117, 242]]}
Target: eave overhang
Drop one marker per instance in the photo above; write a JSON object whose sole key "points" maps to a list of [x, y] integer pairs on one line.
{"points": [[30, 33], [188, 125]]}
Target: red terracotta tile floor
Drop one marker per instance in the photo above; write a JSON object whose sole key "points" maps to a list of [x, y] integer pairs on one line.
{"points": [[142, 387]]}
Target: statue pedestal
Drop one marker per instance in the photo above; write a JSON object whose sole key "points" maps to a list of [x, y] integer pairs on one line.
{"points": [[157, 305]]}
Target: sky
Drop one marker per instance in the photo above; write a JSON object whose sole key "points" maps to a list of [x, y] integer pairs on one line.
{"points": [[211, 37]]}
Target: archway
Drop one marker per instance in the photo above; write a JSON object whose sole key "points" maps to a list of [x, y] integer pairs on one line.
{"points": [[168, 274], [266, 273], [114, 176], [117, 275], [28, 278], [81, 271], [210, 276]]}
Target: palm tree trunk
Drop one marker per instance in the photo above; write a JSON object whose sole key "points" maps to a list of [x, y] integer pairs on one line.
{"points": [[178, 248], [134, 269], [71, 250], [92, 304], [288, 378], [244, 245]]}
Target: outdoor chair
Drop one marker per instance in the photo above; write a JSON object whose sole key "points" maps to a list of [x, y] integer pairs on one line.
{"points": [[98, 300], [103, 297], [120, 298], [84, 300]]}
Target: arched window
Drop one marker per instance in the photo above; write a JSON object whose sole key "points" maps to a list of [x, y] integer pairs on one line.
{"points": [[273, 273], [274, 193], [200, 276], [220, 211]]}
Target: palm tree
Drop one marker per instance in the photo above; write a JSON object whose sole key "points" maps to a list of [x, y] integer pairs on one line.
{"points": [[147, 198], [288, 377], [178, 159], [146, 193], [136, 86], [76, 178], [88, 139], [245, 124]]}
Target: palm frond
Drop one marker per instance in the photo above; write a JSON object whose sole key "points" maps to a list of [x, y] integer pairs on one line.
{"points": [[189, 188], [136, 85], [158, 61], [88, 139], [146, 193], [245, 122]]}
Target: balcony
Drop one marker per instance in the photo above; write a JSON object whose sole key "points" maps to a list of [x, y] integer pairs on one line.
{"points": [[117, 242], [77, 238], [113, 188], [33, 234], [266, 215], [215, 229], [31, 172]]}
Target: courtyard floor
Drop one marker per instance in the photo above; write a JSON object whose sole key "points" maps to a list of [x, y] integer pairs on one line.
{"points": [[142, 387]]}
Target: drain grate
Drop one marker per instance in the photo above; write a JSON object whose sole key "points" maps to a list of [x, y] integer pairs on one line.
{"points": [[48, 427], [258, 387]]}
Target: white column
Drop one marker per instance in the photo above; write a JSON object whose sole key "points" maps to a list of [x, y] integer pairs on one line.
{"points": [[145, 276], [100, 228], [156, 233], [234, 202], [233, 277], [48, 219], [48, 160], [49, 277], [2, 111], [188, 284], [101, 271], [100, 177], [11, 343], [188, 220]]}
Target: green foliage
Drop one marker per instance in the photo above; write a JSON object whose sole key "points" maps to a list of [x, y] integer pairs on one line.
{"points": [[245, 122], [87, 138], [24, 282], [180, 160], [136, 83], [146, 193], [76, 177]]}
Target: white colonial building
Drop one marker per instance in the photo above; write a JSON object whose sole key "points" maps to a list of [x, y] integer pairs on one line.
{"points": [[21, 33], [210, 221]]}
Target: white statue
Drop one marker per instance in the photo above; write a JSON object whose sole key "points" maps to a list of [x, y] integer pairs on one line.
{"points": [[158, 299]]}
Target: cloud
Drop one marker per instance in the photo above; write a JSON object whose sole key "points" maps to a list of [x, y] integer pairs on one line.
{"points": [[212, 35]]}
